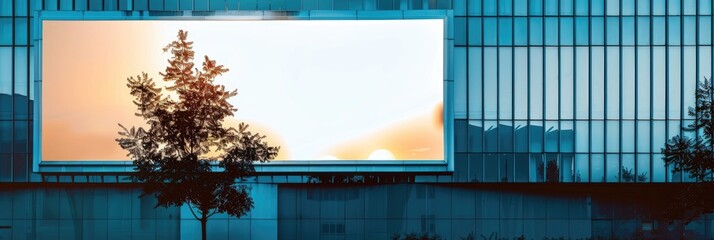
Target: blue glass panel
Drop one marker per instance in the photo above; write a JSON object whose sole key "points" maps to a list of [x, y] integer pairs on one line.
{"points": [[659, 7], [5, 83], [582, 136], [628, 83], [461, 132], [628, 8], [21, 31], [141, 5], [598, 31], [460, 82], [566, 7], [536, 85], [490, 140], [612, 168], [491, 164], [20, 137], [20, 167], [597, 168], [674, 7], [5, 166], [536, 136], [474, 7], [475, 84], [582, 83], [612, 136], [521, 168], [597, 136], [505, 136], [6, 8], [551, 7], [505, 7], [520, 83], [536, 31], [658, 168], [690, 7], [460, 31], [551, 83], [613, 30], [613, 7], [690, 78], [705, 30], [582, 8], [643, 136], [505, 31], [66, 4], [6, 31], [474, 31], [705, 63], [643, 83], [597, 7], [566, 31], [643, 31], [476, 167], [597, 83], [188, 5], [612, 110], [520, 136], [490, 83], [658, 31], [705, 7], [674, 82], [475, 129], [490, 36], [643, 7], [659, 84], [582, 168], [96, 5], [659, 135], [581, 31], [567, 133], [566, 83], [535, 7], [20, 103], [690, 32], [551, 31], [551, 136], [5, 137], [520, 8], [674, 31], [536, 166], [489, 7], [20, 7], [520, 31], [505, 80], [628, 136], [643, 168], [628, 31], [173, 5]]}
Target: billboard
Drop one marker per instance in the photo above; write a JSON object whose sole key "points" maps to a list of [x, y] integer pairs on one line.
{"points": [[321, 90]]}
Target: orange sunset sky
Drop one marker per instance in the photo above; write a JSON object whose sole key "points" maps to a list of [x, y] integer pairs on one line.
{"points": [[322, 90]]}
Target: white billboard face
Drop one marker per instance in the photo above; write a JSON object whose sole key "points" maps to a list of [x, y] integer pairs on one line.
{"points": [[321, 90]]}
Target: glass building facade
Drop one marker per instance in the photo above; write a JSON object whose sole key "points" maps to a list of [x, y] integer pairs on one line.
{"points": [[583, 91]]}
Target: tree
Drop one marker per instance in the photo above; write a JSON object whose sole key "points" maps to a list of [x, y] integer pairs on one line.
{"points": [[694, 156], [177, 155]]}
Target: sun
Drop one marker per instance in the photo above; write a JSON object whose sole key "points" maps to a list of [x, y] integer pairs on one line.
{"points": [[381, 154]]}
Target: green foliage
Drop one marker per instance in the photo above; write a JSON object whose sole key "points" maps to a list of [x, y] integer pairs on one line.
{"points": [[176, 155]]}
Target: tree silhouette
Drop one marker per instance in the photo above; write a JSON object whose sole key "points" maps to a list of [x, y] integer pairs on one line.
{"points": [[695, 156], [177, 155]]}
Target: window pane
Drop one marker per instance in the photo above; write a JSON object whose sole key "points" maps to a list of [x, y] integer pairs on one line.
{"points": [[690, 33], [505, 80], [536, 168], [490, 134], [551, 31], [643, 83], [673, 7], [551, 136], [628, 31], [460, 31], [536, 136], [6, 31], [628, 8], [613, 7], [6, 137], [643, 7], [612, 110], [536, 7], [566, 31], [536, 89], [551, 83], [536, 31], [705, 30], [658, 87], [490, 85], [597, 168], [613, 166], [566, 83], [674, 82], [489, 30], [520, 8], [659, 135], [474, 7], [705, 63], [489, 7], [460, 82], [582, 167], [505, 31], [475, 129], [520, 31], [475, 84], [598, 83], [690, 79], [598, 29], [520, 85], [21, 31], [520, 136], [551, 7], [628, 136], [612, 139], [690, 7], [597, 7], [643, 30], [474, 31], [613, 31], [505, 7], [659, 7], [582, 136], [705, 7], [505, 136], [658, 28], [566, 7], [643, 136], [597, 136], [658, 168], [581, 31], [567, 134], [628, 83], [582, 82], [5, 83], [674, 31]]}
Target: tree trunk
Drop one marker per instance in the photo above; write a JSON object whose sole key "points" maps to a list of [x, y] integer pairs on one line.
{"points": [[203, 227]]}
